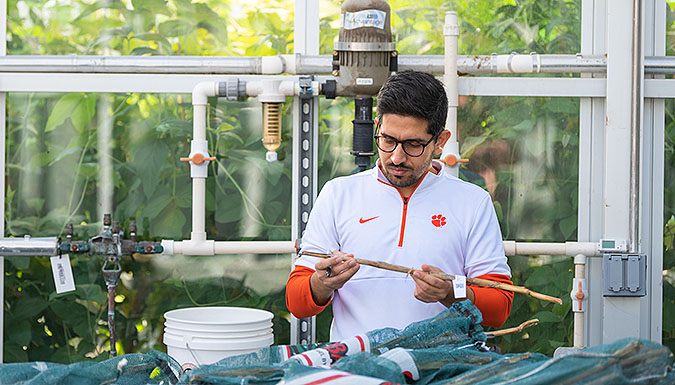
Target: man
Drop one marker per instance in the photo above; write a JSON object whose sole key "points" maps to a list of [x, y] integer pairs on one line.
{"points": [[404, 211]]}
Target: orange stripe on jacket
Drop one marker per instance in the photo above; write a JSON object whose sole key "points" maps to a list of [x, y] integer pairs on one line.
{"points": [[494, 304]]}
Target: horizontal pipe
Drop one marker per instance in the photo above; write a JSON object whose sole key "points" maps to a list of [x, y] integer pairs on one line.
{"points": [[28, 247], [570, 249], [299, 64], [225, 247], [511, 248]]}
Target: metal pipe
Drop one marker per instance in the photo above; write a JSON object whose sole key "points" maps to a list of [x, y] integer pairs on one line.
{"points": [[28, 247], [659, 65], [635, 120]]}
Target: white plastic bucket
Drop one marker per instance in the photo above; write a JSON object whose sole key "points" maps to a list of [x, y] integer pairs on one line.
{"points": [[204, 335]]}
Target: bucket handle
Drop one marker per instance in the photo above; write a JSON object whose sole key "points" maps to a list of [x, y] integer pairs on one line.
{"points": [[187, 345]]}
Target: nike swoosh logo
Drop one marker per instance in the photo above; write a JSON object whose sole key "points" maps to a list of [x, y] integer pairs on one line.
{"points": [[361, 220]]}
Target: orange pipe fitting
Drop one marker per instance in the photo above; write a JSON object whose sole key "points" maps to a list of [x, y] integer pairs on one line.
{"points": [[197, 159], [452, 160]]}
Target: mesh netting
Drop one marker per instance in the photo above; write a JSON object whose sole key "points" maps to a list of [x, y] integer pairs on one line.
{"points": [[129, 369], [447, 349]]}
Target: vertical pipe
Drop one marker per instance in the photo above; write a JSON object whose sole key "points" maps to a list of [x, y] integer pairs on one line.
{"points": [[579, 316], [105, 185], [636, 116], [198, 209], [451, 80], [199, 122], [198, 183]]}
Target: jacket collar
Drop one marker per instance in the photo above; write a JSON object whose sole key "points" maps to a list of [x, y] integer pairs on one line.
{"points": [[428, 179]]}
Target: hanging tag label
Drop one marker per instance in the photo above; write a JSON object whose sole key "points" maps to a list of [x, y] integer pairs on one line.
{"points": [[63, 273], [459, 286]]}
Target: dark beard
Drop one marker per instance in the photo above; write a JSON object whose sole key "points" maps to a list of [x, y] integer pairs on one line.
{"points": [[408, 180]]}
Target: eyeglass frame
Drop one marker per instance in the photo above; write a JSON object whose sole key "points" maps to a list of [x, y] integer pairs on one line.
{"points": [[402, 142]]}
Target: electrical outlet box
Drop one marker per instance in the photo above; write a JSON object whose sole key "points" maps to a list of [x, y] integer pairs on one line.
{"points": [[624, 275]]}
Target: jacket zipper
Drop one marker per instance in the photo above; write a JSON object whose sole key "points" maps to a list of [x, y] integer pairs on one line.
{"points": [[405, 212], [405, 206]]}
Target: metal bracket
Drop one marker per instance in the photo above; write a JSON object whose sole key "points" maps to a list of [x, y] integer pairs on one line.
{"points": [[302, 332], [305, 83]]}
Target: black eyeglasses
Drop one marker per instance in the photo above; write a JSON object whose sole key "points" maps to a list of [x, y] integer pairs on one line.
{"points": [[411, 147]]}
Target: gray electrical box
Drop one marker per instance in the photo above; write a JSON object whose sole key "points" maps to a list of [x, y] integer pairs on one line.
{"points": [[624, 275]]}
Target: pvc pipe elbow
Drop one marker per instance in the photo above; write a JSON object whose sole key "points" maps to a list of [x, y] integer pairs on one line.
{"points": [[271, 65], [202, 91]]}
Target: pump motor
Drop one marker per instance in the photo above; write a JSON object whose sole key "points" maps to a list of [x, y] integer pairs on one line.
{"points": [[363, 58], [364, 54]]}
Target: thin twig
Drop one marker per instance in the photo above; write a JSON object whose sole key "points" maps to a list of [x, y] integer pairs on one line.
{"points": [[447, 277], [517, 329]]}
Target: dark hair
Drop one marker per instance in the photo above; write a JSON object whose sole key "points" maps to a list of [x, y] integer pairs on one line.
{"points": [[416, 94]]}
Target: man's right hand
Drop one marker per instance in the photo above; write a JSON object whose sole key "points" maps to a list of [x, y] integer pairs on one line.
{"points": [[342, 267]]}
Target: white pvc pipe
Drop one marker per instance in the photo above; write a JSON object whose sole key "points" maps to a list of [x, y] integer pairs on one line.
{"points": [[198, 209], [451, 80], [211, 247], [200, 95], [579, 315], [570, 249]]}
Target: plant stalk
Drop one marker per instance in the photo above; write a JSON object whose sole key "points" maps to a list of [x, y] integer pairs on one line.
{"points": [[447, 277]]}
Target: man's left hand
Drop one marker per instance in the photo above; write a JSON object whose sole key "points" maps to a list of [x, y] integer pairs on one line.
{"points": [[431, 289]]}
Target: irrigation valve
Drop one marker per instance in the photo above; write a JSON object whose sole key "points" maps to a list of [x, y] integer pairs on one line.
{"points": [[199, 159], [271, 99], [579, 295]]}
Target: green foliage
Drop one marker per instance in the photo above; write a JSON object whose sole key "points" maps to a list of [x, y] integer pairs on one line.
{"points": [[555, 321], [55, 149]]}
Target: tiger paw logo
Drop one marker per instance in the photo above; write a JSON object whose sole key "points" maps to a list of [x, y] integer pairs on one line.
{"points": [[438, 220]]}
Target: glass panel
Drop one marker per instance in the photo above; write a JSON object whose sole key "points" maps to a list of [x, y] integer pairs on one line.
{"points": [[149, 27], [525, 152], [73, 157], [486, 26]]}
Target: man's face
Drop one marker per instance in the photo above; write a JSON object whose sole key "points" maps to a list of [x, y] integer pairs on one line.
{"points": [[401, 169]]}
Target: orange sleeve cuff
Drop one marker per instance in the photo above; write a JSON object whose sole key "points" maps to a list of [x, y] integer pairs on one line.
{"points": [[299, 300], [494, 304]]}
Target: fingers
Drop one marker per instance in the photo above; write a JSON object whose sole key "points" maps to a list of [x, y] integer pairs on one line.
{"points": [[336, 271], [429, 288]]}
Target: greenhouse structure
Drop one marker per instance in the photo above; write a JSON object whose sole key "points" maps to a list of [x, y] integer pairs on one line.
{"points": [[166, 154]]}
